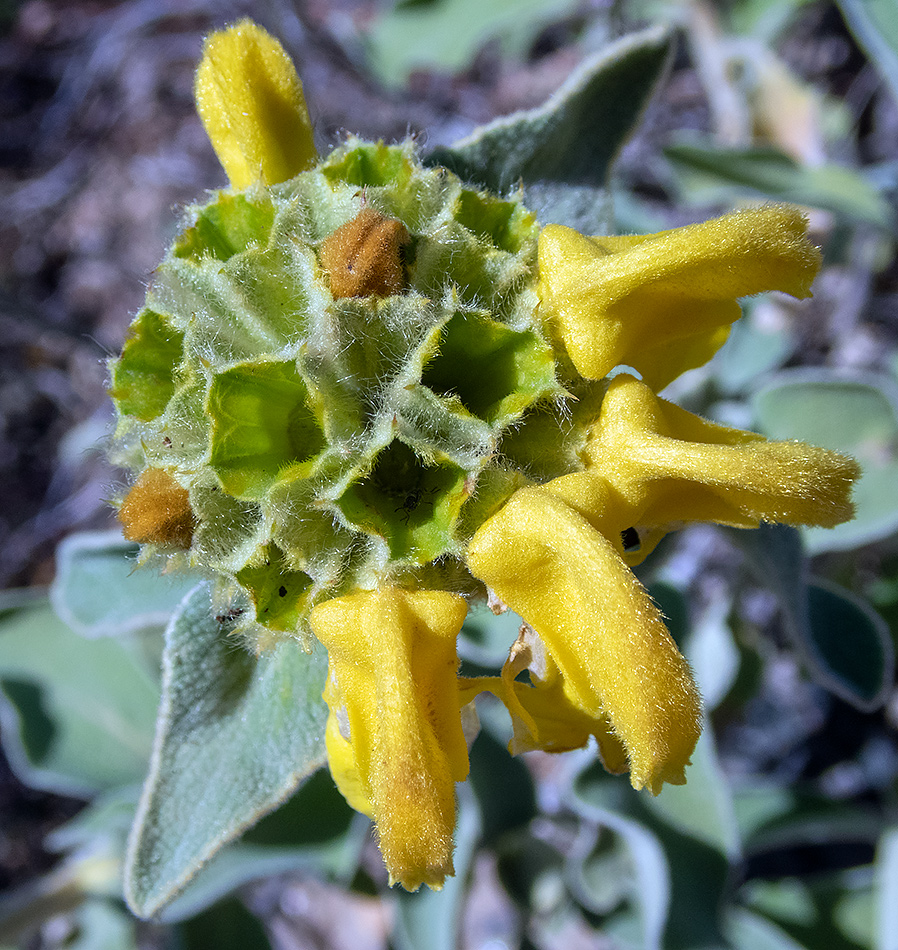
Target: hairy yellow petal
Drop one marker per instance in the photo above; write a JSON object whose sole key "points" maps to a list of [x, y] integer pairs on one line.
{"points": [[662, 303], [341, 755], [393, 679], [252, 106], [667, 466], [545, 718], [599, 626], [544, 714]]}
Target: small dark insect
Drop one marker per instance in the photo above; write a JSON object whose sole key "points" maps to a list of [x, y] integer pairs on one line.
{"points": [[229, 616], [282, 591], [414, 498]]}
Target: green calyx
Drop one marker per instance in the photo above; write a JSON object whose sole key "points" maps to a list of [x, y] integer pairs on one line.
{"points": [[333, 368]]}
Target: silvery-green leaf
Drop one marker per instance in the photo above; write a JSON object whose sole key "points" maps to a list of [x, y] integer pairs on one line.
{"points": [[650, 867], [754, 347], [709, 174], [236, 735], [844, 642], [314, 831], [107, 817], [712, 653], [598, 870], [103, 925], [77, 715], [747, 930], [573, 139], [703, 807], [100, 591], [757, 806], [819, 910], [857, 415], [585, 208], [854, 912], [852, 645], [446, 34], [679, 897]]}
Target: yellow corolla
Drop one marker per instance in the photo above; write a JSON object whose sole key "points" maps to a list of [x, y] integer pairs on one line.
{"points": [[668, 467], [599, 626], [250, 99], [557, 555], [395, 740], [663, 303]]}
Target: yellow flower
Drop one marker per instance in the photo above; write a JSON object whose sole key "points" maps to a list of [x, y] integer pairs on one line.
{"points": [[663, 303], [545, 715], [252, 106], [395, 741], [668, 467], [601, 662], [556, 554], [599, 626]]}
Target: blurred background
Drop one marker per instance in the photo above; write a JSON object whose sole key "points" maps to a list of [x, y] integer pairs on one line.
{"points": [[794, 100]]}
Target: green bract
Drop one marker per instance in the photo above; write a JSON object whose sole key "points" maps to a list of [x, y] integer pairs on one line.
{"points": [[331, 443]]}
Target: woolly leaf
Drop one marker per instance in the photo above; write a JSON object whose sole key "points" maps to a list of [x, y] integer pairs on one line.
{"points": [[236, 735], [99, 591], [573, 139], [856, 415], [77, 714]]}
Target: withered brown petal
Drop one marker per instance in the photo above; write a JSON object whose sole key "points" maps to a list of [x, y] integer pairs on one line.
{"points": [[363, 257], [157, 511]]}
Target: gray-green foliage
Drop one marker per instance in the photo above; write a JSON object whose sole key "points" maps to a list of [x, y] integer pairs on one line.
{"points": [[562, 152], [852, 413], [78, 707], [236, 736], [77, 715], [846, 644], [98, 592], [709, 174], [447, 34], [666, 858]]}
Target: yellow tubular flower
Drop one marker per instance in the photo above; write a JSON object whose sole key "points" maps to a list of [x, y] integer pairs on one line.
{"points": [[354, 351], [599, 626], [393, 688], [252, 106], [662, 303], [545, 715], [667, 466]]}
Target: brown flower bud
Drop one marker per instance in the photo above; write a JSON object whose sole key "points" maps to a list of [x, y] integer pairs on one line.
{"points": [[364, 256], [157, 511]]}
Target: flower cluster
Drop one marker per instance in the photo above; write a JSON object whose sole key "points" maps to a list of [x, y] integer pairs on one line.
{"points": [[365, 393]]}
